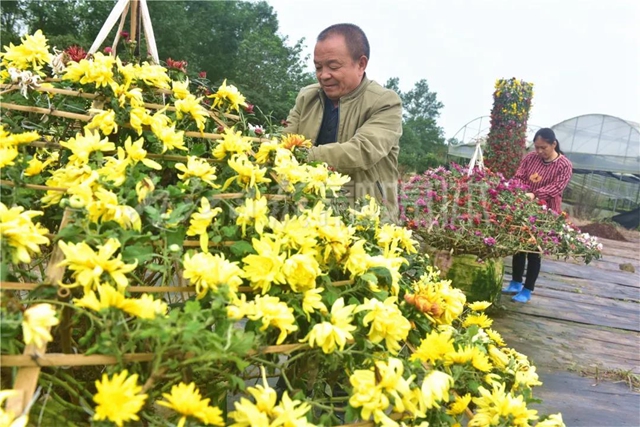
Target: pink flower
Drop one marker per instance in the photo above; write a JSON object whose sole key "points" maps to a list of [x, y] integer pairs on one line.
{"points": [[124, 34], [202, 74], [108, 50]]}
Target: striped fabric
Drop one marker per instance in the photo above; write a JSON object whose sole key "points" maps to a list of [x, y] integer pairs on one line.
{"points": [[546, 180]]}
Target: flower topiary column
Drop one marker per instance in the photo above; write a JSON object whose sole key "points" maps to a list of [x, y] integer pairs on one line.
{"points": [[509, 116]]}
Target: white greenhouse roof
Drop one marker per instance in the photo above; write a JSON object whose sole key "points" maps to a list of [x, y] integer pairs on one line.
{"points": [[596, 142], [601, 143]]}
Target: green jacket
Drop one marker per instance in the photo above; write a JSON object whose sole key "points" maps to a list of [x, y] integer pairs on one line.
{"points": [[369, 131]]}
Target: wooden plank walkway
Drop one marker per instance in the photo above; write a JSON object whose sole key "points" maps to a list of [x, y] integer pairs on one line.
{"points": [[582, 319]]}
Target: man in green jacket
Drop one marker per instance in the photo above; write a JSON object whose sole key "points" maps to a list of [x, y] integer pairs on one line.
{"points": [[354, 123]]}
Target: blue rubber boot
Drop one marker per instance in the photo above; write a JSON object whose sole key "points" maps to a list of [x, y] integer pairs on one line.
{"points": [[523, 296], [513, 288]]}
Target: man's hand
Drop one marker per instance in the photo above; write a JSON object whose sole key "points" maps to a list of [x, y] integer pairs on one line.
{"points": [[531, 196]]}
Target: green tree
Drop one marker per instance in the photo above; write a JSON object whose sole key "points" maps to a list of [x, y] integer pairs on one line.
{"points": [[422, 145]]}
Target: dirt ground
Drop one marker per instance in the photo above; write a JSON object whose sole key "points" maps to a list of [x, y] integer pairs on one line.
{"points": [[607, 230]]}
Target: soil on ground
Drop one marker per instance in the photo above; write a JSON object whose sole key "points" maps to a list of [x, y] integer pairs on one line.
{"points": [[606, 231]]}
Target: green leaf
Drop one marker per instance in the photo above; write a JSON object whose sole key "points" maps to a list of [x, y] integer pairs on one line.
{"points": [[198, 149], [138, 252], [383, 274], [176, 237], [241, 248], [192, 307], [70, 233], [229, 231]]}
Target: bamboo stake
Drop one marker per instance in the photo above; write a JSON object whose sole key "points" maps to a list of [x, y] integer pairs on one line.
{"points": [[26, 379], [32, 186], [59, 359], [27, 109]]}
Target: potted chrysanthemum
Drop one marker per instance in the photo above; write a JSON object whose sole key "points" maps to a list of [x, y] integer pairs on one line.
{"points": [[470, 220]]}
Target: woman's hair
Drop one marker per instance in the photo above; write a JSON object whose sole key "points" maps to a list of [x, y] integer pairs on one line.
{"points": [[548, 136]]}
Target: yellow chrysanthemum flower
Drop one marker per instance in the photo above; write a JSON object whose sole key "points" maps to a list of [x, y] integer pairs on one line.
{"points": [[366, 395], [105, 121], [481, 320], [33, 53], [7, 156], [254, 212], [200, 221], [392, 238], [434, 346], [249, 174], [554, 420], [209, 272], [495, 337], [334, 334], [264, 268], [152, 75], [231, 143], [187, 401], [459, 405], [526, 377], [105, 207], [191, 105], [89, 266], [118, 399], [264, 152], [229, 96], [498, 358], [115, 168], [289, 171], [83, 145], [70, 176], [497, 407], [180, 89], [435, 388], [20, 234], [480, 360], [36, 323], [98, 70], [145, 307], [301, 271], [273, 312], [197, 168], [143, 188], [464, 354], [312, 301], [108, 297], [8, 418], [138, 154], [387, 322], [479, 305], [291, 412], [171, 139]]}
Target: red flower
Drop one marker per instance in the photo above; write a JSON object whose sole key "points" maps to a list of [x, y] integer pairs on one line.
{"points": [[177, 65], [124, 34], [76, 53], [202, 74], [249, 108], [108, 50]]}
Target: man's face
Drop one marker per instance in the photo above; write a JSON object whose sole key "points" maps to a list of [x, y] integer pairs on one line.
{"points": [[336, 71]]}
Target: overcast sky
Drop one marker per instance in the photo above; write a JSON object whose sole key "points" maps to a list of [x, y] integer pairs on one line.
{"points": [[583, 56]]}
